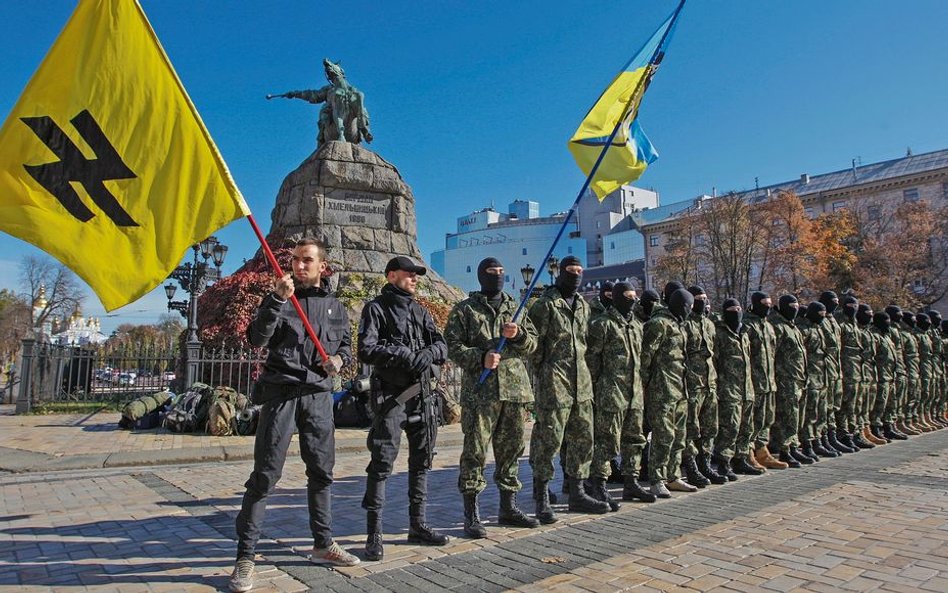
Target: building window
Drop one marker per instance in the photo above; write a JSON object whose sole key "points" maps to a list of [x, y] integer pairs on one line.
{"points": [[837, 206], [653, 241], [808, 211], [918, 286], [874, 213], [569, 250], [598, 223], [612, 244], [524, 250], [910, 195], [469, 269]]}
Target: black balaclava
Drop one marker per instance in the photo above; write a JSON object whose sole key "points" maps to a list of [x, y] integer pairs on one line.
{"points": [[864, 314], [732, 318], [568, 282], [923, 321], [935, 318], [850, 306], [622, 304], [881, 321], [648, 300], [816, 312], [605, 292], [908, 319], [830, 301], [944, 327], [491, 284], [757, 307], [787, 306], [698, 308], [680, 303], [669, 289], [895, 313]]}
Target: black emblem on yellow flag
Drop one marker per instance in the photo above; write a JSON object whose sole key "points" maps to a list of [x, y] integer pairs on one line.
{"points": [[73, 166]]}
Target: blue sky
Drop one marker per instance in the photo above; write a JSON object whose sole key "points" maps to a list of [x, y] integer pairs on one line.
{"points": [[474, 101]]}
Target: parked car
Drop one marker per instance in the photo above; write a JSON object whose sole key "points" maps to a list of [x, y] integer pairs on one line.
{"points": [[126, 379]]}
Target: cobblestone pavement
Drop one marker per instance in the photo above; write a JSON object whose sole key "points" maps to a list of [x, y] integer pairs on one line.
{"points": [[877, 520]]}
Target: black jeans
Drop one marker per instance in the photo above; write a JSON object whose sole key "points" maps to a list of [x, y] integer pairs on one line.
{"points": [[383, 443], [311, 414]]}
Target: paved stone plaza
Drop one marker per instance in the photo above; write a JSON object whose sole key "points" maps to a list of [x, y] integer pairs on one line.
{"points": [[874, 521]]}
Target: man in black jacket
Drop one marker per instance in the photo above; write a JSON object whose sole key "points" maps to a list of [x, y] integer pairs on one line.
{"points": [[295, 392], [398, 337]]}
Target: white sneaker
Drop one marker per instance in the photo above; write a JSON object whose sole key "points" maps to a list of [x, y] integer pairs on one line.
{"points": [[241, 580], [680, 485], [333, 555]]}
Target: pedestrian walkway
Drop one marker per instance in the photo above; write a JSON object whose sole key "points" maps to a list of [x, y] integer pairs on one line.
{"points": [[876, 520]]}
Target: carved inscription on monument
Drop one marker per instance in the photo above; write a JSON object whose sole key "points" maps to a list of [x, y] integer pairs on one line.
{"points": [[357, 208]]}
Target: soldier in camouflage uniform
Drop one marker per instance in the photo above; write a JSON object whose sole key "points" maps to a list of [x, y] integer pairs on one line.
{"points": [[827, 426], [886, 365], [613, 355], [899, 385], [601, 303], [642, 311], [936, 407], [666, 406], [564, 398], [870, 373], [942, 415], [492, 413], [927, 376], [790, 371], [852, 342], [700, 378], [910, 357], [735, 392], [811, 326], [763, 343]]}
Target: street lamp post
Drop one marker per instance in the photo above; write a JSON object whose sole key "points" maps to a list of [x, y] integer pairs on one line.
{"points": [[527, 273], [194, 278], [553, 267]]}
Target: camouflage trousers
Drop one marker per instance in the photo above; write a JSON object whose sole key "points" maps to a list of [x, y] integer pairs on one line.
{"points": [[735, 423], [893, 406], [702, 423], [883, 393], [846, 414], [763, 418], [810, 406], [834, 401], [618, 432], [783, 432], [867, 396], [554, 425], [496, 423], [926, 394], [667, 415], [910, 403]]}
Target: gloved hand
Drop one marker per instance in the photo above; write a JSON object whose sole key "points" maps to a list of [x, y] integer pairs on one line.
{"points": [[421, 360], [403, 356]]}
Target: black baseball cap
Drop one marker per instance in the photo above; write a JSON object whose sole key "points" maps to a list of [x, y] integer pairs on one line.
{"points": [[403, 263]]}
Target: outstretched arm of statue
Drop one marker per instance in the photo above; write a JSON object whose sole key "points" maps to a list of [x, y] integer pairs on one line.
{"points": [[310, 96]]}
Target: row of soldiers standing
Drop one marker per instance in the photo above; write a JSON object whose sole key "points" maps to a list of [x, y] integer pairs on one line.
{"points": [[720, 394]]}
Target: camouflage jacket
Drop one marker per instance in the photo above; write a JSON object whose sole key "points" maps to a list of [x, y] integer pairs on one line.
{"points": [[663, 356], [790, 352], [938, 353], [896, 335], [909, 352], [699, 354], [886, 356], [870, 342], [853, 342], [925, 355], [732, 361], [597, 308], [613, 351], [763, 341], [817, 374], [832, 340], [473, 330], [560, 358]]}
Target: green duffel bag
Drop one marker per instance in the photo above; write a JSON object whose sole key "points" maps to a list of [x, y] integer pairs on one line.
{"points": [[146, 404]]}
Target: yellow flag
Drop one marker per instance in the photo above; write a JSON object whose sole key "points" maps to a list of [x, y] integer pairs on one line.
{"points": [[105, 163], [630, 150]]}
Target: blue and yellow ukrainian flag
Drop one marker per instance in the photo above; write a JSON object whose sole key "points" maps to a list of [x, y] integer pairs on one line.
{"points": [[630, 151]]}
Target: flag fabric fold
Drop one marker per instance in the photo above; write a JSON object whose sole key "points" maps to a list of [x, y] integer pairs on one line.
{"points": [[630, 151], [105, 163]]}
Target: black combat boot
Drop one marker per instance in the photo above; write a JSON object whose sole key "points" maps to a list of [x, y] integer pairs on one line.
{"points": [[541, 496], [704, 466], [799, 456], [824, 440], [418, 530], [632, 491], [820, 449], [373, 542], [596, 487], [789, 459], [510, 514], [472, 517], [877, 432], [420, 533], [724, 468], [580, 502], [837, 438], [742, 466], [693, 475], [889, 432], [861, 442], [807, 450]]}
